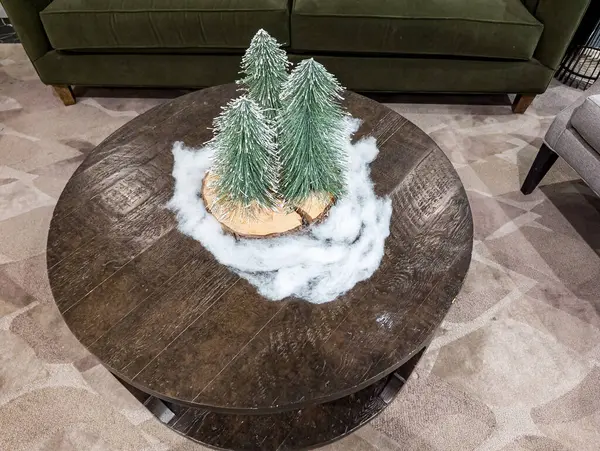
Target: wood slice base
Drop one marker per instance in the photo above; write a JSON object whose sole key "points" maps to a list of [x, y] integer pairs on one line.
{"points": [[266, 223], [307, 428]]}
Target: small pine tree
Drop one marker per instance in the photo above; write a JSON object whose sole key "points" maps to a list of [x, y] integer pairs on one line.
{"points": [[246, 166], [264, 67], [311, 135]]}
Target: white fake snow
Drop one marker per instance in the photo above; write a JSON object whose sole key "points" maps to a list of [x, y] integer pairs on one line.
{"points": [[318, 264]]}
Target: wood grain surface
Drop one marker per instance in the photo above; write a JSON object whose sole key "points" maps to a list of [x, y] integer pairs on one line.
{"points": [[264, 222], [292, 430], [157, 309]]}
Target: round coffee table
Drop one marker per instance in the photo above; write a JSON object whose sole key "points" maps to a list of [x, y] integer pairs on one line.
{"points": [[198, 345]]}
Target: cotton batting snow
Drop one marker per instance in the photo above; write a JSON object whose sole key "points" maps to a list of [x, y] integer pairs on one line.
{"points": [[318, 264]]}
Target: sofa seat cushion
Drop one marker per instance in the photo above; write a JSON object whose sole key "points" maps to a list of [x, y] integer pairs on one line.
{"points": [[477, 28], [162, 24], [586, 120]]}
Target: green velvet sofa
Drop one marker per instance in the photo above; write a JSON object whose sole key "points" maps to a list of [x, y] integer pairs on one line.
{"points": [[443, 46]]}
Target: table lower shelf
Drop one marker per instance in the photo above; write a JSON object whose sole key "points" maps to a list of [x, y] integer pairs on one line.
{"points": [[307, 428]]}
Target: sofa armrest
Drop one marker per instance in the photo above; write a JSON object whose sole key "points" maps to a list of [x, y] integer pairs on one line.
{"points": [[562, 119], [560, 19], [25, 18]]}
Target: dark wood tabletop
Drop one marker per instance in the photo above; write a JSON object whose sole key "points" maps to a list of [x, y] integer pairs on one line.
{"points": [[157, 309]]}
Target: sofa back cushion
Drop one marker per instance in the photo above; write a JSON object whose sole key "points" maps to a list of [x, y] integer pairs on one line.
{"points": [[477, 28], [89, 25]]}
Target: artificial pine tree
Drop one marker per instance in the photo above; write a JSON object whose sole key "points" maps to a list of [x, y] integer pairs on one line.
{"points": [[264, 67], [245, 170], [312, 134]]}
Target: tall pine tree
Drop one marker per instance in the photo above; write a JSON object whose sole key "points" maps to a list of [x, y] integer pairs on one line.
{"points": [[245, 168], [312, 134], [264, 70]]}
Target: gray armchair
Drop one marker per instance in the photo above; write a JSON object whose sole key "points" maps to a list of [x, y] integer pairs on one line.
{"points": [[575, 136]]}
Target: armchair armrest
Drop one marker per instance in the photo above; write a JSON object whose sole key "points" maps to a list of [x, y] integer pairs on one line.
{"points": [[25, 18], [560, 19]]}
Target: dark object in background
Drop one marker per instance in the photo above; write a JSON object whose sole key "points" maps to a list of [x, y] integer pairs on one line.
{"points": [[580, 66], [7, 33]]}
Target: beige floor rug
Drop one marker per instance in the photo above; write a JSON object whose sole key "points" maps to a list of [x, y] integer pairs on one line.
{"points": [[515, 366]]}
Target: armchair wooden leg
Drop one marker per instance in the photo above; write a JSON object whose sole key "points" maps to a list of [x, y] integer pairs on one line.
{"points": [[541, 165], [522, 102], [65, 93]]}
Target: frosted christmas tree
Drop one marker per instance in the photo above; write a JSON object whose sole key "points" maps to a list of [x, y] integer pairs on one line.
{"points": [[264, 67], [280, 157], [245, 170], [311, 126]]}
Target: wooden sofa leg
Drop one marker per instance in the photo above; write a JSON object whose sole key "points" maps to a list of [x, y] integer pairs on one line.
{"points": [[65, 93], [541, 165], [522, 102]]}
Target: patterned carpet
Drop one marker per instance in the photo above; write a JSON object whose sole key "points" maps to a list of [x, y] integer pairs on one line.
{"points": [[515, 366]]}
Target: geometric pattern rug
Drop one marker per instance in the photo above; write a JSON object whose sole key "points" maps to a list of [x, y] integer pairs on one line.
{"points": [[515, 365]]}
